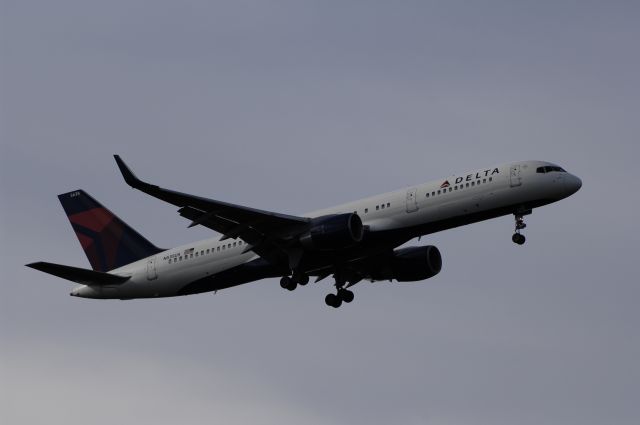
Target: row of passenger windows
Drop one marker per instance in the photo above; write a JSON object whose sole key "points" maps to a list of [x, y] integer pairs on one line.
{"points": [[378, 207], [549, 169], [204, 252], [459, 187]]}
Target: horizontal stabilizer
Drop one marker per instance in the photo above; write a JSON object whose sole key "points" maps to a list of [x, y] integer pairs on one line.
{"points": [[78, 275]]}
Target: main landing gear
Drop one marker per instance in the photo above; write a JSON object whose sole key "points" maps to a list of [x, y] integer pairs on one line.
{"points": [[333, 300], [290, 283], [336, 300], [342, 294], [520, 224]]}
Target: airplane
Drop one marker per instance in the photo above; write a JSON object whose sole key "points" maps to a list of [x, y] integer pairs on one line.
{"points": [[354, 242]]}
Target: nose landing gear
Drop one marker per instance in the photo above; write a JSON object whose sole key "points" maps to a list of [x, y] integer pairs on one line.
{"points": [[518, 237]]}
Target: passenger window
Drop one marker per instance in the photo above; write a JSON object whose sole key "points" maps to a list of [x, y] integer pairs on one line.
{"points": [[473, 183], [388, 204], [223, 247], [169, 260], [234, 244], [467, 184], [490, 178], [377, 207], [191, 256], [450, 189], [427, 195], [455, 187], [197, 254], [438, 192], [484, 180], [366, 210]]}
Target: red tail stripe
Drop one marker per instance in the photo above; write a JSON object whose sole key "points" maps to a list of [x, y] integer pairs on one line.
{"points": [[94, 219]]}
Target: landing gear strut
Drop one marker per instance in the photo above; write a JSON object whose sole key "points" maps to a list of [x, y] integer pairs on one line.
{"points": [[520, 224]]}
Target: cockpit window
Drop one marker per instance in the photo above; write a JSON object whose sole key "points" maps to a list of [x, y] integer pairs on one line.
{"points": [[550, 169]]}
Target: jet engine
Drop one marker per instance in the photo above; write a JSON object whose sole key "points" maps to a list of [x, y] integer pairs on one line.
{"points": [[410, 264], [333, 232]]}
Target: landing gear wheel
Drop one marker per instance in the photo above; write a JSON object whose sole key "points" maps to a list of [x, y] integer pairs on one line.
{"points": [[302, 279], [333, 300], [345, 295], [287, 283], [518, 238]]}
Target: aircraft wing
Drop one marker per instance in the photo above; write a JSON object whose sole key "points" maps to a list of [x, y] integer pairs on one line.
{"points": [[266, 233]]}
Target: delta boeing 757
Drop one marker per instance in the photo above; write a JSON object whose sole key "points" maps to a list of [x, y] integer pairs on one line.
{"points": [[351, 242]]}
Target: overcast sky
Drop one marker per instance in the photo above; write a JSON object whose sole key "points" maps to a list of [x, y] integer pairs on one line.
{"points": [[297, 105]]}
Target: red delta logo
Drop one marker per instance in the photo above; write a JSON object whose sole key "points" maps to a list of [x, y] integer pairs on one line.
{"points": [[445, 184]]}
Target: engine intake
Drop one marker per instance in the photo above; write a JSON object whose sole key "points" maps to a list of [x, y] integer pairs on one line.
{"points": [[333, 232]]}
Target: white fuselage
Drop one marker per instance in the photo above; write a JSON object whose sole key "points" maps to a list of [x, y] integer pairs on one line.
{"points": [[486, 189]]}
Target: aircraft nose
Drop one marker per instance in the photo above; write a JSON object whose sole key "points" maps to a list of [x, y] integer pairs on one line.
{"points": [[573, 184]]}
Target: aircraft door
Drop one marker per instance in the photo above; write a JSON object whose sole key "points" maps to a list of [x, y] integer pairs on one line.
{"points": [[151, 269], [412, 200], [514, 176]]}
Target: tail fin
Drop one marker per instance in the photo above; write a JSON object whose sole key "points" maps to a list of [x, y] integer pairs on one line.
{"points": [[107, 241]]}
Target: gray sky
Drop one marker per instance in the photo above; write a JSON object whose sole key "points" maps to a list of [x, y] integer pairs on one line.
{"points": [[298, 105]]}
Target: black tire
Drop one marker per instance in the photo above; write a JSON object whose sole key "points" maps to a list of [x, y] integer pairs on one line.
{"points": [[515, 238], [302, 279], [518, 238], [332, 300], [346, 295], [521, 240], [287, 283], [284, 281]]}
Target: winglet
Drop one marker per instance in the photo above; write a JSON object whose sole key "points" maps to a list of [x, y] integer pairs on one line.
{"points": [[128, 175]]}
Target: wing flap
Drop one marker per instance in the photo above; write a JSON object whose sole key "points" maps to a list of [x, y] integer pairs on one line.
{"points": [[79, 275]]}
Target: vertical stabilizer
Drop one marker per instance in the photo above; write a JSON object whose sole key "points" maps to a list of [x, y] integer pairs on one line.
{"points": [[107, 241]]}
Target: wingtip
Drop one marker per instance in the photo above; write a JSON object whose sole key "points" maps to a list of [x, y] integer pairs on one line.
{"points": [[126, 172]]}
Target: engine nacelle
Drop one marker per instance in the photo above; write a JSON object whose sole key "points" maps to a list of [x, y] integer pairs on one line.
{"points": [[411, 264], [333, 232]]}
